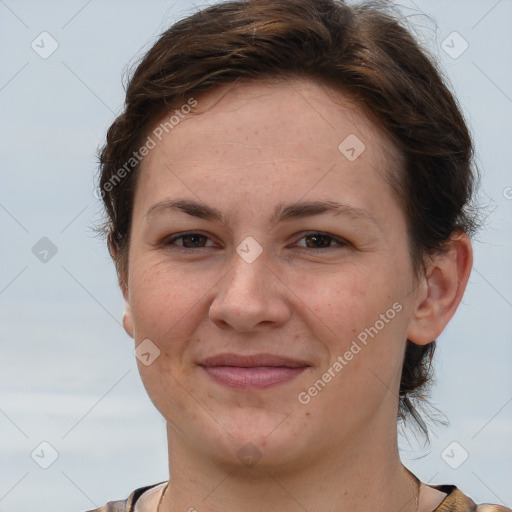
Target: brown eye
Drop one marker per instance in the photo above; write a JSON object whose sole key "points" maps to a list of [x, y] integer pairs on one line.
{"points": [[189, 241], [194, 240], [320, 241]]}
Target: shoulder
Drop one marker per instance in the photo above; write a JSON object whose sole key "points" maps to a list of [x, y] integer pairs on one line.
{"points": [[112, 506], [457, 501], [492, 508], [128, 504]]}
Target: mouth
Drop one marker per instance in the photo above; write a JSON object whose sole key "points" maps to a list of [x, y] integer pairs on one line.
{"points": [[258, 371]]}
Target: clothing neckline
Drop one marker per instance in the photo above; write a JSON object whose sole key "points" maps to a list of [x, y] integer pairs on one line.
{"points": [[149, 497]]}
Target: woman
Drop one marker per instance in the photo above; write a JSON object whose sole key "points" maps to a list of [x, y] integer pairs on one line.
{"points": [[288, 197]]}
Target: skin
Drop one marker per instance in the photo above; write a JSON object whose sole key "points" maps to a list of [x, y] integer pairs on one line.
{"points": [[251, 148]]}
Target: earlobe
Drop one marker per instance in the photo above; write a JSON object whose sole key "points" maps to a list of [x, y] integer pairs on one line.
{"points": [[441, 289], [123, 285], [127, 319], [127, 314]]}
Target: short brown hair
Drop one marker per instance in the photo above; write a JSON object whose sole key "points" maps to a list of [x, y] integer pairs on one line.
{"points": [[363, 51]]}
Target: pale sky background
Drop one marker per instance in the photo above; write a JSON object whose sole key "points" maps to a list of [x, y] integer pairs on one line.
{"points": [[67, 371]]}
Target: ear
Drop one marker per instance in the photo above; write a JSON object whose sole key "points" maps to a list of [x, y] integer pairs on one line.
{"points": [[127, 319], [441, 289], [123, 285], [127, 314]]}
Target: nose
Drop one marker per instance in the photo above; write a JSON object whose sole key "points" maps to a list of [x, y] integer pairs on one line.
{"points": [[250, 297]]}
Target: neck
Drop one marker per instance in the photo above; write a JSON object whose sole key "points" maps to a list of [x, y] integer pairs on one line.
{"points": [[365, 474]]}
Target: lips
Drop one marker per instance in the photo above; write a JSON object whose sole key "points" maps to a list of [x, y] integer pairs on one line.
{"points": [[251, 361], [257, 371]]}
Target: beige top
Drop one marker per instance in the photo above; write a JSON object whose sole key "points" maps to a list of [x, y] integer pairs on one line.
{"points": [[146, 499]]}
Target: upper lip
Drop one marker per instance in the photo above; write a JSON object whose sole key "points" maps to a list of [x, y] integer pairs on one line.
{"points": [[250, 361]]}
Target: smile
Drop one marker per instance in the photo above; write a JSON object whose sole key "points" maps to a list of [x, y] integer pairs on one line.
{"points": [[252, 372]]}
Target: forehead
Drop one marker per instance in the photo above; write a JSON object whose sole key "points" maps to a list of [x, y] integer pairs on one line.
{"points": [[295, 110], [268, 139]]}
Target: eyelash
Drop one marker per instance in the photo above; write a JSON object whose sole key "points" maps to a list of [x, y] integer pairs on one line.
{"points": [[340, 241]]}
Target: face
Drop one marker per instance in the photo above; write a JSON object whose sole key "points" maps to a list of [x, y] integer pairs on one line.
{"points": [[269, 269]]}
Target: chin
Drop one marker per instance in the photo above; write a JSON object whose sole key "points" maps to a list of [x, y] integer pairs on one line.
{"points": [[257, 441]]}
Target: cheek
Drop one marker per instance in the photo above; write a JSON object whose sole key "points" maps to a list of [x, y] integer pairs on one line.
{"points": [[165, 307], [363, 318], [345, 298], [164, 302]]}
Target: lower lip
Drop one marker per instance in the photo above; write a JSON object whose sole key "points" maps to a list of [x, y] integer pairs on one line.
{"points": [[252, 378]]}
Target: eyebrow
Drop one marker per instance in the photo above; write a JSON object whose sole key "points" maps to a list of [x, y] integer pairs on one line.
{"points": [[281, 213]]}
